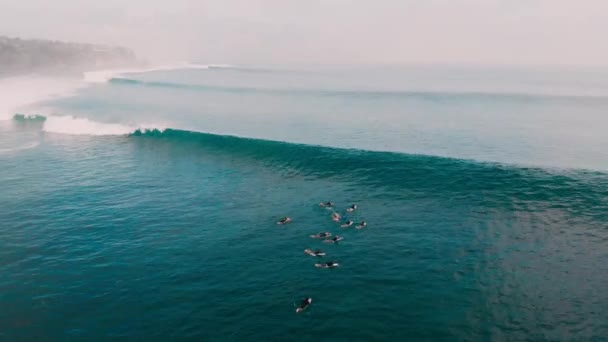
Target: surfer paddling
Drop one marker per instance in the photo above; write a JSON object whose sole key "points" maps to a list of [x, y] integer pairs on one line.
{"points": [[303, 305], [347, 224], [330, 264], [335, 217], [335, 239], [284, 220], [317, 253], [361, 225], [321, 235]]}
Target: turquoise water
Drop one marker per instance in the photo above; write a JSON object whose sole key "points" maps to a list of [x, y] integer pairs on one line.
{"points": [[487, 211]]}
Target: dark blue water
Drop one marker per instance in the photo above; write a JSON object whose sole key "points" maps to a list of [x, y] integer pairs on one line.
{"points": [[172, 235]]}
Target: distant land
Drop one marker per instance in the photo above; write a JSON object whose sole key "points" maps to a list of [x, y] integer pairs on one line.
{"points": [[20, 56]]}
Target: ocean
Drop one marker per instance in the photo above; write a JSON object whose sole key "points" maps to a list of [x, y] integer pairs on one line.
{"points": [[142, 204]]}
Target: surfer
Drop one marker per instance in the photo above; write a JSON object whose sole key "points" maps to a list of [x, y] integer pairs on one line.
{"points": [[335, 239], [317, 253], [284, 220], [363, 224], [328, 204], [352, 208], [330, 264], [321, 235], [347, 224], [335, 217], [303, 305]]}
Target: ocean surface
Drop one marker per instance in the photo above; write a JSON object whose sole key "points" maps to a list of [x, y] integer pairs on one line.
{"points": [[142, 204]]}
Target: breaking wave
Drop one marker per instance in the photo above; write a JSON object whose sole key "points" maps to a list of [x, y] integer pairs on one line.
{"points": [[19, 93], [81, 126]]}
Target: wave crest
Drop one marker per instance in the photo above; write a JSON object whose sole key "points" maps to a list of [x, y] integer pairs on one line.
{"points": [[428, 95], [103, 76], [398, 173]]}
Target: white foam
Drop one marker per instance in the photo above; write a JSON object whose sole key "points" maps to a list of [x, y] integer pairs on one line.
{"points": [[20, 148], [82, 126], [20, 92]]}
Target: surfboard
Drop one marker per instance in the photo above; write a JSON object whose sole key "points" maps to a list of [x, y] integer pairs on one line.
{"points": [[312, 253], [304, 305], [318, 236], [332, 240]]}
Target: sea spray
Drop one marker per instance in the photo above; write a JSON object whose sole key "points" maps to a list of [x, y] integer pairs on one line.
{"points": [[81, 126]]}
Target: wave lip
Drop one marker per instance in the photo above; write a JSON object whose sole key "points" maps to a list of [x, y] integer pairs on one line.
{"points": [[81, 126]]}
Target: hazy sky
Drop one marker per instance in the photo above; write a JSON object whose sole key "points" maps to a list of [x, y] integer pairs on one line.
{"points": [[327, 31]]}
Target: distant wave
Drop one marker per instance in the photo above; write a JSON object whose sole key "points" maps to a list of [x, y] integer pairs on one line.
{"points": [[184, 86], [131, 81], [429, 95], [21, 92], [218, 66], [102, 76]]}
